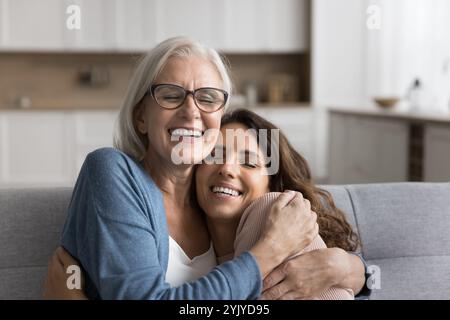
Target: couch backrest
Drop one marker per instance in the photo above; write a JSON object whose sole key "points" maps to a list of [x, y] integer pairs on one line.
{"points": [[30, 226], [404, 228], [405, 233]]}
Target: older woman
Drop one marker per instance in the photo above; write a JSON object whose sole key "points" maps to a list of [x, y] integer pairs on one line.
{"points": [[131, 222]]}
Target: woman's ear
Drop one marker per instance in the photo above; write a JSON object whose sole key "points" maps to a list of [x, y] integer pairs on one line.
{"points": [[139, 118]]}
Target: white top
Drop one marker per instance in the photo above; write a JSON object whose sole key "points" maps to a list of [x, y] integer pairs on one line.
{"points": [[182, 269]]}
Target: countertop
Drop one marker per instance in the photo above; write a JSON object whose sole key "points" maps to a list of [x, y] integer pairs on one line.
{"points": [[395, 113], [65, 105]]}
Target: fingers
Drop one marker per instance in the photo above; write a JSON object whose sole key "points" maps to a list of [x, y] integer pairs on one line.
{"points": [[275, 277], [291, 295], [292, 198], [311, 234], [284, 199], [307, 204], [300, 202], [276, 292]]}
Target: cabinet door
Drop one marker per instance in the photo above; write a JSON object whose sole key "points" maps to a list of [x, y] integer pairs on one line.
{"points": [[136, 24], [288, 25], [35, 149], [353, 150], [200, 19], [4, 23], [93, 130], [338, 146], [437, 153], [98, 26], [32, 25], [364, 150], [247, 25]]}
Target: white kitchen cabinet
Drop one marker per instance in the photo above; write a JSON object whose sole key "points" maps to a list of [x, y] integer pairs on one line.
{"points": [[32, 25], [298, 125], [29, 25], [288, 26], [266, 25], [4, 23], [93, 130], [247, 25], [35, 149], [47, 148], [200, 19], [98, 26], [437, 153], [136, 24], [367, 150]]}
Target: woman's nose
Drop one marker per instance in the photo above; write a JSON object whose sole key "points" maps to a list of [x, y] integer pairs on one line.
{"points": [[189, 108], [228, 170]]}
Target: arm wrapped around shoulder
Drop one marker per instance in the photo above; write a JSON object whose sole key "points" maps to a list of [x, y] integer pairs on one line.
{"points": [[249, 231]]}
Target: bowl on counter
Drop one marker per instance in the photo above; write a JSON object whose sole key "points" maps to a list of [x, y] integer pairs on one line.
{"points": [[386, 102]]}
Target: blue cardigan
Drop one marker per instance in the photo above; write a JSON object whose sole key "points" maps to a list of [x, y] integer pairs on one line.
{"points": [[116, 227]]}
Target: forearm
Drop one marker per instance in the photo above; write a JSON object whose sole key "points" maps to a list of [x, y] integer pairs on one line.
{"points": [[266, 263]]}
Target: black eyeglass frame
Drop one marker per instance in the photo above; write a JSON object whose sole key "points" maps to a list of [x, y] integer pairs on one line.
{"points": [[186, 93]]}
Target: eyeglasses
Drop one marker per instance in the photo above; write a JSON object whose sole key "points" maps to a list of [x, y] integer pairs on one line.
{"points": [[171, 96]]}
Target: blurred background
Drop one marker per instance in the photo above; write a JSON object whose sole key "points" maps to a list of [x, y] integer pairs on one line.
{"points": [[360, 87]]}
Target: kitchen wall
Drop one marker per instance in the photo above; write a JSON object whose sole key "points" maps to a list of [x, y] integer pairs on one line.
{"points": [[412, 42]]}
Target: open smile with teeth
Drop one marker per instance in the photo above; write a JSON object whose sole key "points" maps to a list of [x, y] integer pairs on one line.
{"points": [[226, 191], [181, 132]]}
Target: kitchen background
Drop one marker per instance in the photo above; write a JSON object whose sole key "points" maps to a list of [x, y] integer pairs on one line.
{"points": [[313, 67]]}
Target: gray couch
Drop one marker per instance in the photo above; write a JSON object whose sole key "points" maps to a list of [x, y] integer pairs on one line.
{"points": [[404, 227]]}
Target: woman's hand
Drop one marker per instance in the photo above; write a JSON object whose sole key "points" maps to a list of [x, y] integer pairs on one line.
{"points": [[290, 227], [55, 287], [310, 274]]}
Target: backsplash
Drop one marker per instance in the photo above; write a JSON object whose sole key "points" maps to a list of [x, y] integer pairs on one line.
{"points": [[53, 80], [100, 80]]}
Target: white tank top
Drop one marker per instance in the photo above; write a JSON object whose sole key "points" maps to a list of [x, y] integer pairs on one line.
{"points": [[182, 269]]}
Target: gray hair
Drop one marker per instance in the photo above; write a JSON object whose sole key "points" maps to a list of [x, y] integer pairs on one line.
{"points": [[126, 138]]}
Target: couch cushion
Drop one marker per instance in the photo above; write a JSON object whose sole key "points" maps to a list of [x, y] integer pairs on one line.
{"points": [[412, 278], [22, 283], [30, 227], [342, 200], [400, 220]]}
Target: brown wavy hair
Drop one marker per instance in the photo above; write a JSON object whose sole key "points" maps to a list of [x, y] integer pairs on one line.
{"points": [[294, 174]]}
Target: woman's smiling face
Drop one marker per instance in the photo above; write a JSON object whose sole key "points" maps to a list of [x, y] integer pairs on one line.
{"points": [[225, 190], [163, 126]]}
